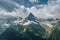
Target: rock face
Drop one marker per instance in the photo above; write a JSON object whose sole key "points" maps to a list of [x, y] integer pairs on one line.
{"points": [[24, 32], [31, 17]]}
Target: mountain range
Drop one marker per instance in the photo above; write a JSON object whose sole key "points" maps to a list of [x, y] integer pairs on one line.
{"points": [[30, 28]]}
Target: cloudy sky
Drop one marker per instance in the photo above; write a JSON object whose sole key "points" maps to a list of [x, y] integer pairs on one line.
{"points": [[22, 8]]}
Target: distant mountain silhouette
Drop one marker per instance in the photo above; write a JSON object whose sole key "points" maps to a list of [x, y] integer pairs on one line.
{"points": [[31, 17]]}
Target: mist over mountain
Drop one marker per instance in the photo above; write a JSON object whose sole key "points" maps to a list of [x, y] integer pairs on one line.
{"points": [[29, 19]]}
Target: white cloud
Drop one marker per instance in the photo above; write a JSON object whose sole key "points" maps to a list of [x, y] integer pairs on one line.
{"points": [[46, 11], [33, 0], [43, 11], [19, 12], [40, 13]]}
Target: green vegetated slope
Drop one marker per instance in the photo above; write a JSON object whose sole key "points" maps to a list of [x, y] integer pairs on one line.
{"points": [[30, 32], [55, 35]]}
